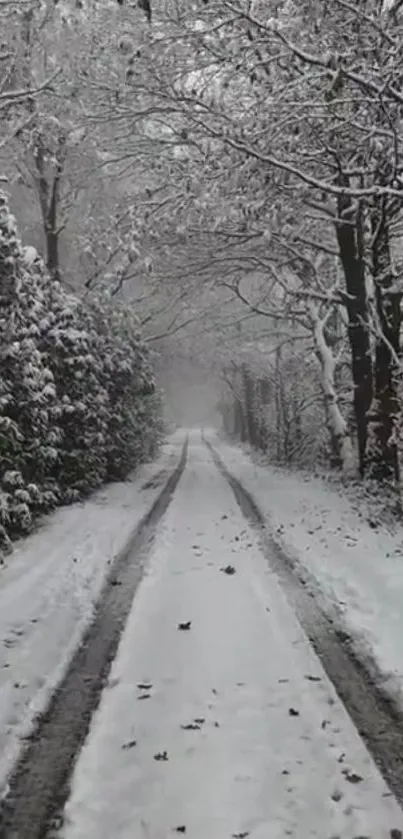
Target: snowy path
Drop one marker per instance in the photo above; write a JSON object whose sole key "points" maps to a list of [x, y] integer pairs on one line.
{"points": [[273, 753], [354, 561], [48, 589]]}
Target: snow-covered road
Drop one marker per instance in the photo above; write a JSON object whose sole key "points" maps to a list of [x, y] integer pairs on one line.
{"points": [[48, 590], [228, 728]]}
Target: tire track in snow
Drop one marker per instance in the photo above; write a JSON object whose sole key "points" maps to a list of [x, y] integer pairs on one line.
{"points": [[374, 714], [38, 787]]}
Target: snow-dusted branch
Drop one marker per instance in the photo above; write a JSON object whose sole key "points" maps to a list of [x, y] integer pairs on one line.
{"points": [[10, 96]]}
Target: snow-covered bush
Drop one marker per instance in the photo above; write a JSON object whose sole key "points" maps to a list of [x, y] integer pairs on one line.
{"points": [[27, 394], [77, 395], [72, 348], [132, 428]]}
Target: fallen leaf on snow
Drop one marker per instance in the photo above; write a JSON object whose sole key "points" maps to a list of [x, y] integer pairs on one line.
{"points": [[352, 777], [161, 756], [129, 745]]}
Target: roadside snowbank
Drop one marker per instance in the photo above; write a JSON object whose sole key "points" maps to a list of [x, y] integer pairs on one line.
{"points": [[48, 588], [359, 569], [238, 732]]}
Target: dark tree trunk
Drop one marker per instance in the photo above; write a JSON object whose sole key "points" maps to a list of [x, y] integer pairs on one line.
{"points": [[52, 233], [264, 397], [48, 187], [349, 240], [49, 199], [278, 405], [297, 425], [242, 431], [234, 409], [383, 451], [249, 394], [236, 418], [227, 412]]}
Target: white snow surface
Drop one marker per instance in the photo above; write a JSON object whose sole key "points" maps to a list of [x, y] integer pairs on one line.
{"points": [[254, 767], [359, 570], [48, 588]]}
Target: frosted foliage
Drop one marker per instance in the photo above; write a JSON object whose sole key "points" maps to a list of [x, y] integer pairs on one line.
{"points": [[77, 401]]}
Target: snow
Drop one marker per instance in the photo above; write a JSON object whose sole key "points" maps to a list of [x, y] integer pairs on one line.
{"points": [[263, 763], [48, 589], [358, 569], [30, 255]]}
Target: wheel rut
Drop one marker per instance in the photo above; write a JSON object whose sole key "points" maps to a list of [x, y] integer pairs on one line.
{"points": [[39, 785], [376, 717]]}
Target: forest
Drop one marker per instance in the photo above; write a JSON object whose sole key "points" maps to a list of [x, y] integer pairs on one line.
{"points": [[215, 183]]}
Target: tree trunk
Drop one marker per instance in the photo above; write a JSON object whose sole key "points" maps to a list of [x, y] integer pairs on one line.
{"points": [[383, 458], [242, 425], [52, 235], [249, 393], [278, 403], [48, 187], [338, 426], [49, 199], [264, 397], [348, 232]]}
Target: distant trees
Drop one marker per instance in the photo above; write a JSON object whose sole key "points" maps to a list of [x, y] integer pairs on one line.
{"points": [[267, 403]]}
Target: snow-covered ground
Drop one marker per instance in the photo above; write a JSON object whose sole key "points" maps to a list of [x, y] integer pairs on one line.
{"points": [[48, 588], [229, 728], [359, 569]]}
